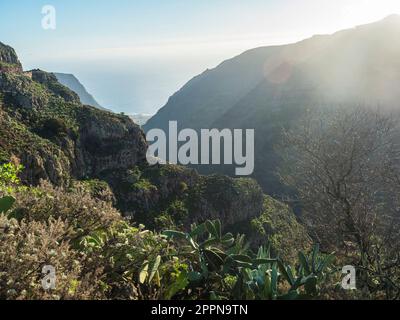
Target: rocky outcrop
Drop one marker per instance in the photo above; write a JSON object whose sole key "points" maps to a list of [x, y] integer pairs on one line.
{"points": [[20, 91], [109, 142], [9, 59], [150, 191], [50, 81]]}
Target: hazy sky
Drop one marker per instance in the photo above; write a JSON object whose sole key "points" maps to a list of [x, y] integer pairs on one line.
{"points": [[132, 55]]}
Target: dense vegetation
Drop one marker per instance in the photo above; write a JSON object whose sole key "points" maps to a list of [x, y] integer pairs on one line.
{"points": [[99, 255]]}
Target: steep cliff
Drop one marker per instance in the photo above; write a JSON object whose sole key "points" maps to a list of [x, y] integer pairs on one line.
{"points": [[9, 59]]}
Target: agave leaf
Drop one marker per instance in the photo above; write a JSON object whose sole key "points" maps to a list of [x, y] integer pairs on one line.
{"points": [[304, 262], [243, 264], [314, 257], [154, 269], [286, 272], [213, 258], [193, 243], [220, 252], [241, 258], [326, 262], [228, 242], [174, 234], [157, 279], [247, 275], [209, 243], [264, 261], [228, 262], [274, 282], [262, 253], [267, 285], [197, 230], [237, 288], [290, 275], [297, 283], [227, 236], [144, 272], [211, 228]]}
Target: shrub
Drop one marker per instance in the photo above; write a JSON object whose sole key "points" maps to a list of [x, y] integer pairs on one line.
{"points": [[98, 189], [55, 127], [143, 185], [9, 176], [99, 255], [83, 213], [137, 263], [26, 247]]}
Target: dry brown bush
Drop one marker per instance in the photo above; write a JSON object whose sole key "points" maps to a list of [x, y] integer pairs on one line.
{"points": [[83, 213], [26, 247]]}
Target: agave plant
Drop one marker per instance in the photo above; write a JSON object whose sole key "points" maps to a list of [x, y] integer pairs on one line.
{"points": [[264, 281], [312, 269], [205, 263], [213, 256], [215, 252]]}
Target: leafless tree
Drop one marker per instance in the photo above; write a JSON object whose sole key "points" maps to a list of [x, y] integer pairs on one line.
{"points": [[344, 166]]}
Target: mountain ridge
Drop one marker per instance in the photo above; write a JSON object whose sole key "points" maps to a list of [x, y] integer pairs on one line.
{"points": [[268, 88], [69, 80]]}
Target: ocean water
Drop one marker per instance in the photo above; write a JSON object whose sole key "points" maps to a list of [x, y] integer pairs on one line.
{"points": [[133, 87]]}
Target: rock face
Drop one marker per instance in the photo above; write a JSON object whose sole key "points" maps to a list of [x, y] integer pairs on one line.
{"points": [[269, 88], [9, 59], [182, 195], [20, 91], [109, 142]]}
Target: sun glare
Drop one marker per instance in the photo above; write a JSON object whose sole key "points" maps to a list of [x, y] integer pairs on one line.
{"points": [[365, 11]]}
